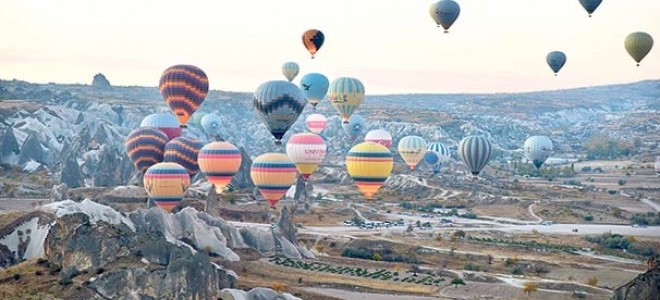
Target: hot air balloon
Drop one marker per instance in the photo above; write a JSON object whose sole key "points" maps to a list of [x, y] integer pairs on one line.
{"points": [[313, 40], [412, 149], [219, 161], [379, 136], [590, 5], [369, 165], [290, 70], [556, 60], [306, 150], [537, 150], [184, 88], [211, 124], [197, 118], [657, 165], [273, 174], [440, 151], [183, 151], [475, 151], [166, 184], [445, 13], [346, 94], [278, 103], [354, 127], [145, 147], [166, 122], [316, 123], [314, 86], [638, 45]]}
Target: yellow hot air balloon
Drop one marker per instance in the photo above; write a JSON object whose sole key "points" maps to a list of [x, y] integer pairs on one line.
{"points": [[166, 184], [219, 161], [638, 45], [273, 174], [412, 149], [346, 94], [369, 165]]}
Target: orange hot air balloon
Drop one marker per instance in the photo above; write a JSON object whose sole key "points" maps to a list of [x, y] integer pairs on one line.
{"points": [[184, 88], [313, 40], [273, 174], [219, 161]]}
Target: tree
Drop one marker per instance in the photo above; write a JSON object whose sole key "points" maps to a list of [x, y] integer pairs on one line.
{"points": [[530, 287], [377, 257], [278, 287], [418, 224], [490, 259], [456, 281], [460, 234], [593, 281]]}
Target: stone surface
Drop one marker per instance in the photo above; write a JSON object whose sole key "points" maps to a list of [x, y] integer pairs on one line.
{"points": [[643, 287], [100, 81]]}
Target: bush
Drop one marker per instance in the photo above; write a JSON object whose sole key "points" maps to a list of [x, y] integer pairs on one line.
{"points": [[518, 270], [586, 169], [622, 182], [377, 257], [593, 281], [471, 266], [356, 253], [611, 192], [588, 218]]}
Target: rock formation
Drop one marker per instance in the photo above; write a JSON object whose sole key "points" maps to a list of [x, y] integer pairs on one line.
{"points": [[242, 178], [645, 286], [100, 81], [71, 174], [8, 144], [32, 150]]}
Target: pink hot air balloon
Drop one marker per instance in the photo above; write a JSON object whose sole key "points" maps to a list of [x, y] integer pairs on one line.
{"points": [[316, 123], [306, 150]]}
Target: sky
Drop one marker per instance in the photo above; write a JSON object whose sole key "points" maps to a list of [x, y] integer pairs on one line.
{"points": [[392, 46]]}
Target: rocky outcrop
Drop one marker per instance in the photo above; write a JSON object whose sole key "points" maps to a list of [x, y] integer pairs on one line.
{"points": [[645, 286], [32, 150], [71, 174], [8, 145], [24, 237], [100, 81], [255, 294], [242, 178], [60, 192]]}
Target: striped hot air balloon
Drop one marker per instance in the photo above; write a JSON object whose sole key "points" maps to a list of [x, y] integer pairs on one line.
{"points": [[290, 70], [346, 94], [145, 147], [166, 184], [475, 151], [279, 104], [184, 151], [184, 88], [313, 40], [314, 86], [436, 156], [166, 122], [219, 161], [379, 136], [412, 149], [538, 149], [316, 123], [306, 150], [273, 174], [369, 165]]}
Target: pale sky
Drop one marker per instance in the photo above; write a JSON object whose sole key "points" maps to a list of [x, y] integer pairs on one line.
{"points": [[392, 46]]}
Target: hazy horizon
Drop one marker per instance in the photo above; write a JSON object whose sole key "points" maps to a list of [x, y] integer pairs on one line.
{"points": [[393, 47]]}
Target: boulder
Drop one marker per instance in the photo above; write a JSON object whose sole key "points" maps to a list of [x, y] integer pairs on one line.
{"points": [[644, 286], [32, 150]]}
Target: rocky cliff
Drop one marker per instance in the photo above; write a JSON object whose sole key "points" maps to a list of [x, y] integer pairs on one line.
{"points": [[646, 286]]}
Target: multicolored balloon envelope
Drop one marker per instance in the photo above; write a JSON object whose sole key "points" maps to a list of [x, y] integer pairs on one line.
{"points": [[313, 40], [279, 104], [273, 174], [436, 156], [219, 161], [314, 86], [379, 136], [346, 94], [184, 88], [183, 151], [166, 122], [306, 150], [445, 13], [369, 165], [290, 70], [166, 184], [538, 149], [475, 151], [145, 147], [316, 123], [412, 149]]}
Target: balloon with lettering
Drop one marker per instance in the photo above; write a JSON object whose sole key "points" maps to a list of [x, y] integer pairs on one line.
{"points": [[306, 150]]}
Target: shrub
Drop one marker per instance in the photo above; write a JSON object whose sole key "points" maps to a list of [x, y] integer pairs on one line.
{"points": [[471, 266], [518, 270], [593, 281], [622, 182], [356, 253], [588, 218], [456, 281], [377, 257], [586, 169]]}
